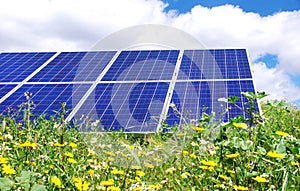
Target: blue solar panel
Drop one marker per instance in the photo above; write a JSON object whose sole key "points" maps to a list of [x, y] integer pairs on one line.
{"points": [[137, 86], [132, 107], [4, 89], [143, 65], [15, 67], [74, 66], [47, 98]]}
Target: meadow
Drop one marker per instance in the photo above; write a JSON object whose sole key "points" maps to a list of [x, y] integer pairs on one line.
{"points": [[259, 152]]}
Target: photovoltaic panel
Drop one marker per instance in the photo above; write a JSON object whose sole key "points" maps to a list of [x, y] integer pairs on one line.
{"points": [[74, 66], [129, 90], [143, 65], [5, 88], [15, 67], [47, 98], [131, 107]]}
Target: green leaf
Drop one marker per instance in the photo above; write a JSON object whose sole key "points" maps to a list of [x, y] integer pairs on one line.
{"points": [[261, 150], [5, 184], [280, 148], [24, 176], [233, 99], [38, 187]]}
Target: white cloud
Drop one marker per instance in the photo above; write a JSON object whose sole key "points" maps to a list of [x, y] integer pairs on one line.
{"points": [[59, 25]]}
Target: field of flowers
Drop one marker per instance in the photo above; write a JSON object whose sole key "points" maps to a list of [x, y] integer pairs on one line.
{"points": [[258, 153]]}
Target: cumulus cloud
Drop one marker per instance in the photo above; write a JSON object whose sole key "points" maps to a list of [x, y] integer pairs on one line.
{"points": [[68, 25]]}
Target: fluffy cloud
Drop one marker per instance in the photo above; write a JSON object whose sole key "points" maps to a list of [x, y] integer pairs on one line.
{"points": [[68, 25]]}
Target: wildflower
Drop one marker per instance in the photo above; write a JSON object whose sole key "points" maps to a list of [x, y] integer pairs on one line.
{"points": [[56, 181], [193, 156], [28, 144], [295, 163], [209, 163], [231, 171], [283, 134], [138, 179], [91, 172], [240, 187], [107, 183], [3, 160], [260, 179], [274, 154], [80, 184], [148, 165], [240, 125], [73, 145], [140, 173], [199, 129], [116, 171], [185, 175], [170, 170], [68, 154], [210, 168], [71, 160], [223, 177], [185, 152], [6, 169], [154, 186], [113, 188], [233, 155], [298, 155]]}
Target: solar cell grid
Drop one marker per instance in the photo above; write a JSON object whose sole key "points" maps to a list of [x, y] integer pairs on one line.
{"points": [[16, 67]]}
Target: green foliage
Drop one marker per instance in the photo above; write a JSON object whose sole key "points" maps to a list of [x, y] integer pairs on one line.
{"points": [[258, 152]]}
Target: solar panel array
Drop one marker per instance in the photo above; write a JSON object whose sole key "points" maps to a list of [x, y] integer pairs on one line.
{"points": [[128, 90]]}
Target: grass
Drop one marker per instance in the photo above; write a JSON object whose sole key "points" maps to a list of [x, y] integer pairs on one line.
{"points": [[258, 153]]}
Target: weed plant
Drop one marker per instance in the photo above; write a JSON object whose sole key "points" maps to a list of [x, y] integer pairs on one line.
{"points": [[261, 152]]}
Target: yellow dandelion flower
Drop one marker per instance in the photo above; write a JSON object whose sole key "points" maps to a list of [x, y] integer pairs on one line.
{"points": [[170, 170], [185, 175], [116, 171], [56, 181], [274, 154], [7, 169], [199, 129], [140, 173], [295, 163], [107, 183], [3, 160], [73, 145], [231, 171], [68, 154], [148, 165], [223, 177], [71, 160], [209, 163], [193, 156], [283, 134], [138, 179], [28, 144], [138, 188], [154, 186], [240, 187], [233, 155], [113, 188], [82, 185], [260, 179], [240, 125], [91, 172], [210, 168], [185, 152]]}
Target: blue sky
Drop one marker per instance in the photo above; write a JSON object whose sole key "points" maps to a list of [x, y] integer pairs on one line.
{"points": [[263, 7]]}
